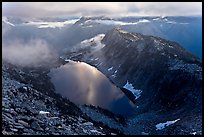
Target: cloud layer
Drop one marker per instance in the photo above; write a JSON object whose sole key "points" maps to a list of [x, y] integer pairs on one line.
{"points": [[40, 9], [32, 53]]}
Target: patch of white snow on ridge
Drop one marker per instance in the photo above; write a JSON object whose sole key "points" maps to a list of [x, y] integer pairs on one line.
{"points": [[144, 20], [156, 18], [193, 133], [43, 112], [111, 68], [88, 124], [171, 22], [25, 88], [136, 92], [5, 20], [95, 131], [114, 75], [161, 126]]}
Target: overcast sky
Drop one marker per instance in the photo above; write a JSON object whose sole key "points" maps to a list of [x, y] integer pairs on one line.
{"points": [[41, 9]]}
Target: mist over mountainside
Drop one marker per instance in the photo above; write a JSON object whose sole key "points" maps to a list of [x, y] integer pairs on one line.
{"points": [[102, 76]]}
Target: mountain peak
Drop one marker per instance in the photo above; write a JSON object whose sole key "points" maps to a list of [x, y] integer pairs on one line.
{"points": [[118, 33], [156, 45], [118, 29], [83, 19]]}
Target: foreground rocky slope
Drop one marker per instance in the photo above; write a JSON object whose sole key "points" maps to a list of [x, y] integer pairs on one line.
{"points": [[30, 107]]}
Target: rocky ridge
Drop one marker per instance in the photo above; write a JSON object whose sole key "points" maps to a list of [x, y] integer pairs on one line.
{"points": [[169, 77]]}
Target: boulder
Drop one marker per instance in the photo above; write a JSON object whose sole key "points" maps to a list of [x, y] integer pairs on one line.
{"points": [[36, 126]]}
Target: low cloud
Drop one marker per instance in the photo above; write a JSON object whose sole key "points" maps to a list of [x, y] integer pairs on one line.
{"points": [[32, 53]]}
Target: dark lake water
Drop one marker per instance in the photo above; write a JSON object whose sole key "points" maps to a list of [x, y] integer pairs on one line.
{"points": [[84, 84]]}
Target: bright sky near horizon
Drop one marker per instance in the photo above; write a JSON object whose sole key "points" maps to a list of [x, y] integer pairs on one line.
{"points": [[42, 9]]}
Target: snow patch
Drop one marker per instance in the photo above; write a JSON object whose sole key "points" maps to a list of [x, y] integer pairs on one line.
{"points": [[88, 124], [193, 133], [5, 20], [43, 112], [136, 92], [100, 64], [161, 126], [68, 60], [144, 20], [171, 22], [114, 75], [156, 18], [163, 17], [25, 88], [95, 131], [111, 68]]}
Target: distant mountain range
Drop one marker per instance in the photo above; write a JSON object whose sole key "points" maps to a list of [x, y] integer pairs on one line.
{"points": [[187, 31]]}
